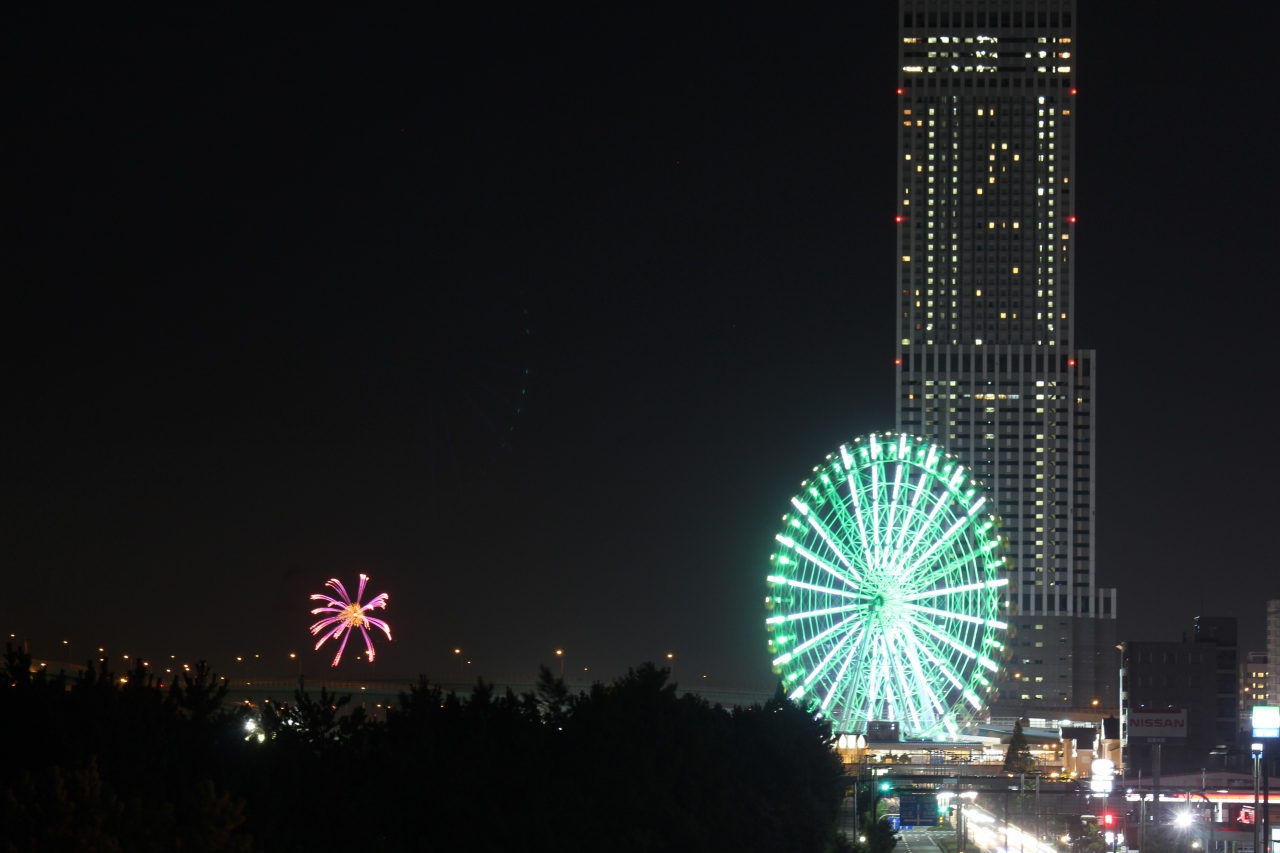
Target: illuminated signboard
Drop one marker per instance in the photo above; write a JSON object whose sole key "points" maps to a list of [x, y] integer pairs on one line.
{"points": [[1266, 721], [1102, 771], [1158, 723]]}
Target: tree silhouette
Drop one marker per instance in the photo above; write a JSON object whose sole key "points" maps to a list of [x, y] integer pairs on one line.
{"points": [[112, 762], [1018, 758]]}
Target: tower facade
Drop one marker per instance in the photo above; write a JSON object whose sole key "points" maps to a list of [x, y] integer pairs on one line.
{"points": [[1273, 649], [987, 364]]}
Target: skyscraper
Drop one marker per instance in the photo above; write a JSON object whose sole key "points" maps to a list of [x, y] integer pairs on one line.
{"points": [[1273, 649], [987, 359]]}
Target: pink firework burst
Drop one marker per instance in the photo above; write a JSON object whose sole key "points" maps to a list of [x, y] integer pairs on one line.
{"points": [[348, 616]]}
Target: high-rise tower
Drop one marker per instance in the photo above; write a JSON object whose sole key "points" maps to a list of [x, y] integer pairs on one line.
{"points": [[987, 112], [1273, 649]]}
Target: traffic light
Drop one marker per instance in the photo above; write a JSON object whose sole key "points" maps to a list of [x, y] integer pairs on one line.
{"points": [[1108, 819], [886, 787]]}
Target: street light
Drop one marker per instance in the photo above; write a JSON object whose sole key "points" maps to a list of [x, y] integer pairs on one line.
{"points": [[962, 831], [1256, 751], [560, 654], [671, 666], [458, 652]]}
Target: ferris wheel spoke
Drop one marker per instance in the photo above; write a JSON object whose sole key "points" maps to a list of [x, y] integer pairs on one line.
{"points": [[844, 667], [812, 614], [853, 525], [779, 579], [822, 530], [806, 554], [968, 520], [945, 614], [941, 661], [908, 694], [871, 684], [926, 684], [925, 526], [848, 561], [893, 502], [959, 525], [952, 590], [912, 514], [822, 666], [875, 503], [957, 645], [855, 495], [852, 692], [967, 556], [887, 664], [860, 511], [815, 639]]}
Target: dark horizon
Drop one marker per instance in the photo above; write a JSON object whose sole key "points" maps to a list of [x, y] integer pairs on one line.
{"points": [[539, 320]]}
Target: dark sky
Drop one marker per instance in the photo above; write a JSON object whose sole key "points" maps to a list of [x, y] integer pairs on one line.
{"points": [[540, 320]]}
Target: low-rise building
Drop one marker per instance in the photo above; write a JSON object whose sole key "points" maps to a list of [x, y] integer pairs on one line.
{"points": [[1167, 700]]}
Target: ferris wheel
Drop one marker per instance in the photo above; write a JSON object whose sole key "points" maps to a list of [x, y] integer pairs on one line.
{"points": [[884, 594]]}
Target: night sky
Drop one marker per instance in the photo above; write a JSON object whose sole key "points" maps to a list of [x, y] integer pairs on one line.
{"points": [[540, 320]]}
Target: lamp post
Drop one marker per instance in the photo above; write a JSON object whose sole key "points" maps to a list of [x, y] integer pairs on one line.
{"points": [[458, 652], [560, 654], [1266, 799], [961, 825], [1256, 751], [1212, 842], [671, 666]]}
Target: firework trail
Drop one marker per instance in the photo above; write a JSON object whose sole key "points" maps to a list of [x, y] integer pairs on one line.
{"points": [[348, 616]]}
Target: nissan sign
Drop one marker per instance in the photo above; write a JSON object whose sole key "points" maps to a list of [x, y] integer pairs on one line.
{"points": [[1158, 724]]}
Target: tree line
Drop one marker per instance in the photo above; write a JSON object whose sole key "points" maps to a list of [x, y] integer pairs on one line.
{"points": [[105, 763]]}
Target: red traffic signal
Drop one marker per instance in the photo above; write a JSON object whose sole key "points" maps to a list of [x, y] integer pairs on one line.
{"points": [[1108, 819]]}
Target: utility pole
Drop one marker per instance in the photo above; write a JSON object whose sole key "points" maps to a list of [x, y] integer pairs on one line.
{"points": [[1006, 817], [1022, 811], [1142, 817], [856, 780], [1256, 751], [1266, 801]]}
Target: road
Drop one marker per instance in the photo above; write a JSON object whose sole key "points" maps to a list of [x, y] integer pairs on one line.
{"points": [[920, 840], [988, 832]]}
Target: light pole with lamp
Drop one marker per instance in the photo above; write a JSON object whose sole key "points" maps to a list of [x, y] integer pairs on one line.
{"points": [[1207, 802], [1256, 751], [1184, 819], [962, 829], [671, 667], [560, 654]]}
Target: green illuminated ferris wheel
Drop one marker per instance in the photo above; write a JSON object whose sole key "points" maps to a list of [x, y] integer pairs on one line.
{"points": [[884, 595]]}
